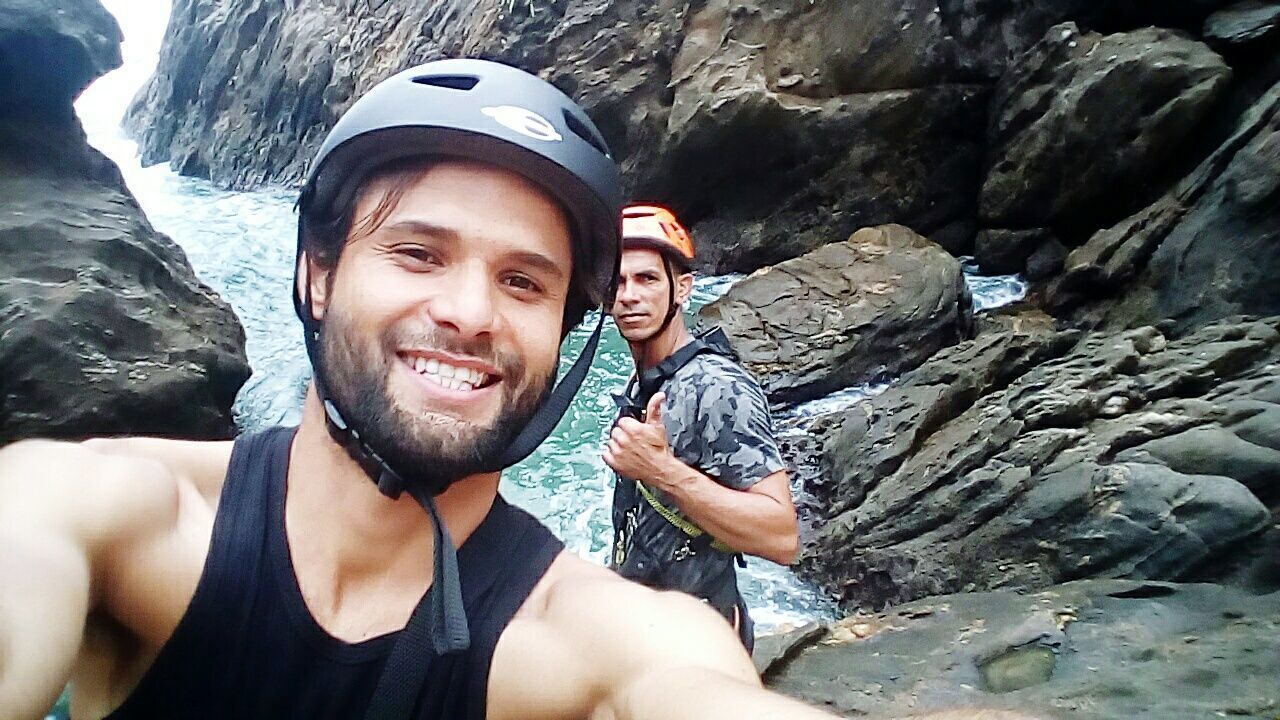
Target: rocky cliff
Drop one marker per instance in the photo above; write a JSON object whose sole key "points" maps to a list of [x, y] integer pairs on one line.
{"points": [[104, 328], [1029, 130]]}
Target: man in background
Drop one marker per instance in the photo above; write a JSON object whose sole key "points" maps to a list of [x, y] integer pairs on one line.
{"points": [[700, 480]]}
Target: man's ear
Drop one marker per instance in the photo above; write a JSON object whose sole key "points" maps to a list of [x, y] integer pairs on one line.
{"points": [[317, 279], [684, 287]]}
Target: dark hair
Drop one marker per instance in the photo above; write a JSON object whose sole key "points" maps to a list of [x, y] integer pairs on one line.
{"points": [[325, 234]]}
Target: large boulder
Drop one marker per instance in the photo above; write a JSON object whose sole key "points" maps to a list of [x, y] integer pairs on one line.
{"points": [[104, 328], [1082, 114], [877, 304], [1027, 459], [1208, 249], [1086, 650]]}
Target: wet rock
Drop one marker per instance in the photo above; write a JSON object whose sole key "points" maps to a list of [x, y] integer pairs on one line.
{"points": [[1082, 114], [104, 328], [1208, 249], [877, 304], [1092, 649], [1028, 459]]}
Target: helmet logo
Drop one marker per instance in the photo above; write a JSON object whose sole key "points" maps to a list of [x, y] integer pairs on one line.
{"points": [[525, 122]]}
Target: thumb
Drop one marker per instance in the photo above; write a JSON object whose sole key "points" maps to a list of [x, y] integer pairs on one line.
{"points": [[653, 413]]}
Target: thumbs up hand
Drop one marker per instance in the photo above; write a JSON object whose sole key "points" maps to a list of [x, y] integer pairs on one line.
{"points": [[639, 450]]}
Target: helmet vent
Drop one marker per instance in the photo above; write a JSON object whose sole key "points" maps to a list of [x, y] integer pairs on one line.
{"points": [[581, 130], [453, 82]]}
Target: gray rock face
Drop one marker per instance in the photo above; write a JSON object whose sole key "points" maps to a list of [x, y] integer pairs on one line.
{"points": [[770, 144], [1087, 650], [877, 304], [104, 328], [778, 145], [1082, 114], [1208, 249], [1029, 459], [49, 54]]}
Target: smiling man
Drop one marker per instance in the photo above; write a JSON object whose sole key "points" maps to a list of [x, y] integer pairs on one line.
{"points": [[700, 479], [459, 220]]}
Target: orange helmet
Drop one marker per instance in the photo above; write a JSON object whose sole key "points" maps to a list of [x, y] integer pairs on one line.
{"points": [[656, 228]]}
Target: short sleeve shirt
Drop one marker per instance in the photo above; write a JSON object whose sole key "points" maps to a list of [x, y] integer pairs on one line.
{"points": [[717, 421]]}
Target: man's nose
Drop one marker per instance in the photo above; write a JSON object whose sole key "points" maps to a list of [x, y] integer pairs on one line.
{"points": [[626, 293], [466, 303]]}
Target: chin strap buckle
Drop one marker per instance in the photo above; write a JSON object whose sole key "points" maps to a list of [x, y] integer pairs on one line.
{"points": [[390, 484]]}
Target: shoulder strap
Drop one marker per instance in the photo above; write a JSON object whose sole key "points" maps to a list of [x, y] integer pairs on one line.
{"points": [[648, 382]]}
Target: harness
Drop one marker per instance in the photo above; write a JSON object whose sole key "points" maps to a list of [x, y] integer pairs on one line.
{"points": [[632, 403]]}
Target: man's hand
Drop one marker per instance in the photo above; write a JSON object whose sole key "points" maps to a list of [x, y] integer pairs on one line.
{"points": [[639, 450]]}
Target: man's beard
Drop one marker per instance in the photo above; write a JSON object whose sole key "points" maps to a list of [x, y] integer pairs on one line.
{"points": [[433, 450]]}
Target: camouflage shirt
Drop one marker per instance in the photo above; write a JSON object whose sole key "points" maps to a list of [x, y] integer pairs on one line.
{"points": [[717, 420]]}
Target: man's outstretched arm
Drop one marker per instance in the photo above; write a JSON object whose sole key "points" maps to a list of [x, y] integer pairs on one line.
{"points": [[597, 646], [62, 508]]}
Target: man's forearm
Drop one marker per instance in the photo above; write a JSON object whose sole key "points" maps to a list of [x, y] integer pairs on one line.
{"points": [[44, 594], [44, 588], [704, 694], [750, 523]]}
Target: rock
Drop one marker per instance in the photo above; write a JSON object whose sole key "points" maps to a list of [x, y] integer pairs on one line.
{"points": [[1087, 650], [1026, 460], [1247, 23], [770, 175], [1209, 249], [777, 649], [767, 143], [1046, 260], [1082, 114], [877, 304], [104, 327], [989, 35], [49, 54], [1004, 252]]}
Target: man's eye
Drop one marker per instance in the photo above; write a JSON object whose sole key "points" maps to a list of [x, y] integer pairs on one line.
{"points": [[417, 254], [523, 283]]}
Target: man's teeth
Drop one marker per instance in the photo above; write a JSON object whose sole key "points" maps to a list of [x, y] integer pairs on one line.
{"points": [[454, 378]]}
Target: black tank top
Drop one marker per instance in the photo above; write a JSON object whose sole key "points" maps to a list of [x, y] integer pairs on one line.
{"points": [[248, 648]]}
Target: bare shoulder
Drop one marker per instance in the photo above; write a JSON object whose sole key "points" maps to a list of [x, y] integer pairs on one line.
{"points": [[202, 463], [91, 490]]}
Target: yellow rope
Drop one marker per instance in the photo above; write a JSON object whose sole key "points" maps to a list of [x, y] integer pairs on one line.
{"points": [[674, 518]]}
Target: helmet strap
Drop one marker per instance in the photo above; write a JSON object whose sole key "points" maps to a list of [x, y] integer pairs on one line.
{"points": [[442, 607]]}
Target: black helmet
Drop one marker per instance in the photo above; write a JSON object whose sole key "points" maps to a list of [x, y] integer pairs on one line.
{"points": [[492, 113], [486, 111]]}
